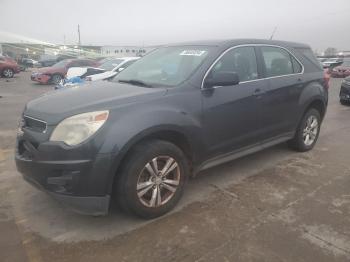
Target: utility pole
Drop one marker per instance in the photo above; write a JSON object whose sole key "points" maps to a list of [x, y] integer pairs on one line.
{"points": [[79, 43]]}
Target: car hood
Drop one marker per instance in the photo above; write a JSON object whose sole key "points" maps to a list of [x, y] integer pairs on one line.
{"points": [[54, 106]]}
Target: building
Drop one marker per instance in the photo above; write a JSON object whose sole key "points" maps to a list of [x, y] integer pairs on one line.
{"points": [[36, 51], [121, 51]]}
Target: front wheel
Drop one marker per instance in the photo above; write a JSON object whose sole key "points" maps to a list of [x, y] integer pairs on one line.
{"points": [[307, 132], [56, 79], [8, 73], [152, 179]]}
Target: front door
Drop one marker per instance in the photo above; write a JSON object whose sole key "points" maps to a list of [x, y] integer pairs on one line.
{"points": [[230, 113]]}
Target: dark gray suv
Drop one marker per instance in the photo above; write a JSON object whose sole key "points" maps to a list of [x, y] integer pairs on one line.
{"points": [[178, 110]]}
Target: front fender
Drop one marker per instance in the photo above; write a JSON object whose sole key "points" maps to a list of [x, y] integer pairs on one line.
{"points": [[133, 126]]}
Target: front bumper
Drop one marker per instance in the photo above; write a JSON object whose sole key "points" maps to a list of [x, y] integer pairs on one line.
{"points": [[41, 78], [95, 206], [78, 177]]}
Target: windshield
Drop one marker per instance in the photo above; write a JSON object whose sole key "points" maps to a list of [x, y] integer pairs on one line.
{"points": [[62, 63], [111, 64], [167, 66]]}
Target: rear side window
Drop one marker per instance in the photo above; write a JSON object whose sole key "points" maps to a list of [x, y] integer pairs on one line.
{"points": [[297, 68], [309, 55], [241, 60], [277, 61]]}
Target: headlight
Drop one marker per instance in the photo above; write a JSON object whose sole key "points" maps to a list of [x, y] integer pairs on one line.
{"points": [[76, 129]]}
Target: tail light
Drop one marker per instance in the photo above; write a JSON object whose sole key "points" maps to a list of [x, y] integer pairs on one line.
{"points": [[326, 79]]}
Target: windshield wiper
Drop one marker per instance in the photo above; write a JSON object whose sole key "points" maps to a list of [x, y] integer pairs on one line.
{"points": [[135, 82]]}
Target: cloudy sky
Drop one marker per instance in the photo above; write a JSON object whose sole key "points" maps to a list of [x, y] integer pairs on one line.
{"points": [[321, 24]]}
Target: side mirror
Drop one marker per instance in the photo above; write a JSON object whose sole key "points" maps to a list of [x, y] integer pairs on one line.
{"points": [[222, 79]]}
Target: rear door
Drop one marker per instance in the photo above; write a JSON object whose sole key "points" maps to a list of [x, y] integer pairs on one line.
{"points": [[230, 113], [280, 100]]}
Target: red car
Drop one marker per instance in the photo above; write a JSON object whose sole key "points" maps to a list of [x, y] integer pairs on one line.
{"points": [[8, 67], [54, 74], [341, 71]]}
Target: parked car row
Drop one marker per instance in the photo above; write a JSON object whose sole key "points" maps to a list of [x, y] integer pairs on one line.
{"points": [[83, 69], [58, 71]]}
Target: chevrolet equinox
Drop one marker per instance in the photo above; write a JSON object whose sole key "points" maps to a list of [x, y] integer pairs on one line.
{"points": [[179, 110]]}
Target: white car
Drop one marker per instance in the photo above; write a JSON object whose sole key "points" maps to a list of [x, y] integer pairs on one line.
{"points": [[112, 67], [105, 71]]}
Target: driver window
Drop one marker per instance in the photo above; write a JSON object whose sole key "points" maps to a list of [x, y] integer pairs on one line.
{"points": [[241, 60]]}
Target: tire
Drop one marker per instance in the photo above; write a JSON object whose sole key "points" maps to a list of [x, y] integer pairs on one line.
{"points": [[8, 73], [56, 79], [300, 142], [135, 173]]}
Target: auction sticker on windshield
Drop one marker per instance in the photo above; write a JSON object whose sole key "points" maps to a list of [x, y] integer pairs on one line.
{"points": [[193, 52]]}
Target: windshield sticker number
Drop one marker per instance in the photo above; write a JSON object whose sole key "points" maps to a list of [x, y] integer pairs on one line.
{"points": [[192, 52]]}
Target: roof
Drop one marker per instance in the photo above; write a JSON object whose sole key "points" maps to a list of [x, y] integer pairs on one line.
{"points": [[233, 42]]}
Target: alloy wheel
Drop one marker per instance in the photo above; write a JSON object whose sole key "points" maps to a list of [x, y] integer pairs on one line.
{"points": [[158, 181], [8, 73], [310, 131], [56, 79]]}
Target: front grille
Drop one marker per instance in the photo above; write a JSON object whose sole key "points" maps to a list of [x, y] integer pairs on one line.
{"points": [[34, 124]]}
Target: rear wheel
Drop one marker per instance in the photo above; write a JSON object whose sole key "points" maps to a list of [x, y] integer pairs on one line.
{"points": [[56, 79], [8, 73], [307, 132], [152, 179]]}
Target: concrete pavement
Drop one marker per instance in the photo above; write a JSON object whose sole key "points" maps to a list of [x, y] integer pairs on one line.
{"points": [[276, 205]]}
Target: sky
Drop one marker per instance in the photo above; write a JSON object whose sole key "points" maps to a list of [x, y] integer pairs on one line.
{"points": [[319, 23]]}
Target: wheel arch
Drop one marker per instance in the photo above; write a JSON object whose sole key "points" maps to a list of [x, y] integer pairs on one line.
{"points": [[313, 95], [317, 104], [171, 135]]}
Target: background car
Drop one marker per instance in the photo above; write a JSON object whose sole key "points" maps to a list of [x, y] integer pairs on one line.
{"points": [[112, 67], [28, 62], [50, 60], [342, 70], [344, 94], [8, 67], [58, 71], [332, 62]]}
